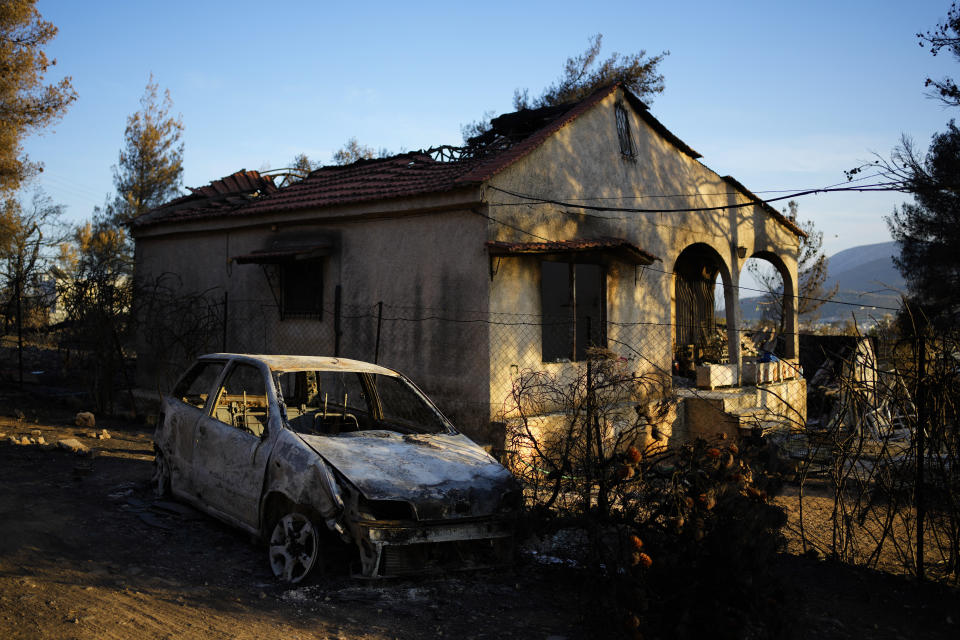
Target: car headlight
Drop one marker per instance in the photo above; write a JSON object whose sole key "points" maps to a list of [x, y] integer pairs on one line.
{"points": [[386, 510], [511, 500]]}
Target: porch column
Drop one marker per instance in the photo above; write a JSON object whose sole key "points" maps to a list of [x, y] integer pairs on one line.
{"points": [[731, 299], [791, 336]]}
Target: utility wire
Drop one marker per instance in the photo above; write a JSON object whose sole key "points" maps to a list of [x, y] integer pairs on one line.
{"points": [[537, 200], [673, 273], [723, 193], [532, 320], [797, 297]]}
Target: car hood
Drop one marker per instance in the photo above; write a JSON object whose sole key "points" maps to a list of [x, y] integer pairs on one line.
{"points": [[441, 475]]}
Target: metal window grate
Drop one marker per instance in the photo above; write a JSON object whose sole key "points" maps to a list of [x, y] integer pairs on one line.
{"points": [[623, 131]]}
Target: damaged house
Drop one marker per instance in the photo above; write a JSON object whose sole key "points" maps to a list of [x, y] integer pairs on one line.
{"points": [[564, 227]]}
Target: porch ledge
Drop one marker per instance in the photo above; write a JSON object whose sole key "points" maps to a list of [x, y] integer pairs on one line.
{"points": [[712, 376]]}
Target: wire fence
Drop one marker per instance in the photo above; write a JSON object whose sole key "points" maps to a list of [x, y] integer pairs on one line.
{"points": [[465, 359], [866, 426]]}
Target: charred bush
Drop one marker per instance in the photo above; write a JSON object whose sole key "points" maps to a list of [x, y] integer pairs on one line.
{"points": [[677, 540]]}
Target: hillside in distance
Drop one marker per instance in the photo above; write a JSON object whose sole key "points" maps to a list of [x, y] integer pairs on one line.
{"points": [[866, 277]]}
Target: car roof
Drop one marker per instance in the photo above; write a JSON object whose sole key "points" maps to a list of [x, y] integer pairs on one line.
{"points": [[303, 363]]}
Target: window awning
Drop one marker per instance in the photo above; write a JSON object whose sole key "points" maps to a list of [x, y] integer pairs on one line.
{"points": [[279, 255], [602, 247]]}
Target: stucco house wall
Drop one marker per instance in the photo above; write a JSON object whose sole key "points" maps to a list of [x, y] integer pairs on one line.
{"points": [[582, 163], [429, 261], [459, 321]]}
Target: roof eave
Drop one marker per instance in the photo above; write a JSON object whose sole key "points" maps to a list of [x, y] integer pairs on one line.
{"points": [[464, 197], [779, 217], [615, 247]]}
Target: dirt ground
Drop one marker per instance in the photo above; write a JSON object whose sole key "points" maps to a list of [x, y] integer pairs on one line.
{"points": [[87, 552]]}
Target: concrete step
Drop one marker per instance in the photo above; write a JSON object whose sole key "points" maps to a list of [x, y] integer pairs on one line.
{"points": [[725, 400], [762, 417]]}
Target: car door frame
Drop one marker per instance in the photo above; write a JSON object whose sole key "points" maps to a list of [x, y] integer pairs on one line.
{"points": [[180, 424], [229, 464]]}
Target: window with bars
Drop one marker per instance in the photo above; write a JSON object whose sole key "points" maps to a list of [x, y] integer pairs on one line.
{"points": [[573, 298], [301, 284], [623, 131]]}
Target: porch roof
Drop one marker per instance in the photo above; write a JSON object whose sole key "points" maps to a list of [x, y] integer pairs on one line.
{"points": [[285, 254], [615, 247]]}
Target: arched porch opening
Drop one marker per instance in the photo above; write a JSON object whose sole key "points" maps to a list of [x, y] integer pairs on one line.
{"points": [[701, 331], [774, 305]]}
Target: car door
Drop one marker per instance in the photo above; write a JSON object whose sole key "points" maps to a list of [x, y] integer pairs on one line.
{"points": [[232, 444], [191, 398]]}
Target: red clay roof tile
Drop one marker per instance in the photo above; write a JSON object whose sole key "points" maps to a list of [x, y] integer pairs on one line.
{"points": [[404, 175]]}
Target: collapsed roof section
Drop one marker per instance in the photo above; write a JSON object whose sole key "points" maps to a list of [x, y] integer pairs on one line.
{"points": [[510, 137], [217, 198]]}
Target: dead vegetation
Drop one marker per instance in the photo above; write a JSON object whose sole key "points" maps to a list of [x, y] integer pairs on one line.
{"points": [[879, 465], [675, 541]]}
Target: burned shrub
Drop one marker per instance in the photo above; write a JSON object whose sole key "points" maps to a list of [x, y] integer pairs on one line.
{"points": [[677, 540], [708, 534]]}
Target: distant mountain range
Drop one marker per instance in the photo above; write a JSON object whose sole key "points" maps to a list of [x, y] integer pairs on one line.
{"points": [[865, 276]]}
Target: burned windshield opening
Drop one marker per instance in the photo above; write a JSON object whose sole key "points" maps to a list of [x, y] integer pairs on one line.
{"points": [[335, 402]]}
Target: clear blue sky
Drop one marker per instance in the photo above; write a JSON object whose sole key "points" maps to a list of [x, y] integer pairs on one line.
{"points": [[783, 96]]}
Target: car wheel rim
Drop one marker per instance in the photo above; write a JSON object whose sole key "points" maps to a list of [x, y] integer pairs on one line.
{"points": [[160, 475], [293, 547]]}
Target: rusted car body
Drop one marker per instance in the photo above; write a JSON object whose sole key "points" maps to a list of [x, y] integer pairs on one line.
{"points": [[310, 452]]}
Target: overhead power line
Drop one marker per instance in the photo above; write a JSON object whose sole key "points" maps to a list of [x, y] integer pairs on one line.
{"points": [[673, 273], [644, 196], [539, 200]]}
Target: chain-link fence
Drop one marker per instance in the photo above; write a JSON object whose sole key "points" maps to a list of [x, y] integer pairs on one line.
{"points": [[466, 359], [875, 466], [866, 425]]}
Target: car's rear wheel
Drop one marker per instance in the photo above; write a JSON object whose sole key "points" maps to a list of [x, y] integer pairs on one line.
{"points": [[160, 478], [294, 547]]}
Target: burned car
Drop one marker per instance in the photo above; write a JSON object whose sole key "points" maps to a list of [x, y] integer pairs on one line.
{"points": [[325, 456]]}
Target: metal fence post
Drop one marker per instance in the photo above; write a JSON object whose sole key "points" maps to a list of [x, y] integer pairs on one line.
{"points": [[20, 329], [376, 349], [337, 303], [226, 317], [921, 445]]}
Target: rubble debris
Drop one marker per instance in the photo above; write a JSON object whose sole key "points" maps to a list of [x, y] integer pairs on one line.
{"points": [[175, 508], [74, 446], [154, 521], [85, 419], [563, 547], [83, 469]]}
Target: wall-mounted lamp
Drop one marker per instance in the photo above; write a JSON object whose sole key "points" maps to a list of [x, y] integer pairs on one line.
{"points": [[741, 252]]}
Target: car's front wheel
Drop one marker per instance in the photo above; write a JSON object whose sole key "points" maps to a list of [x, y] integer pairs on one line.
{"points": [[294, 547]]}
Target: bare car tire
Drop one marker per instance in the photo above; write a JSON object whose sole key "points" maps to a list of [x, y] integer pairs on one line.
{"points": [[294, 547], [160, 478]]}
